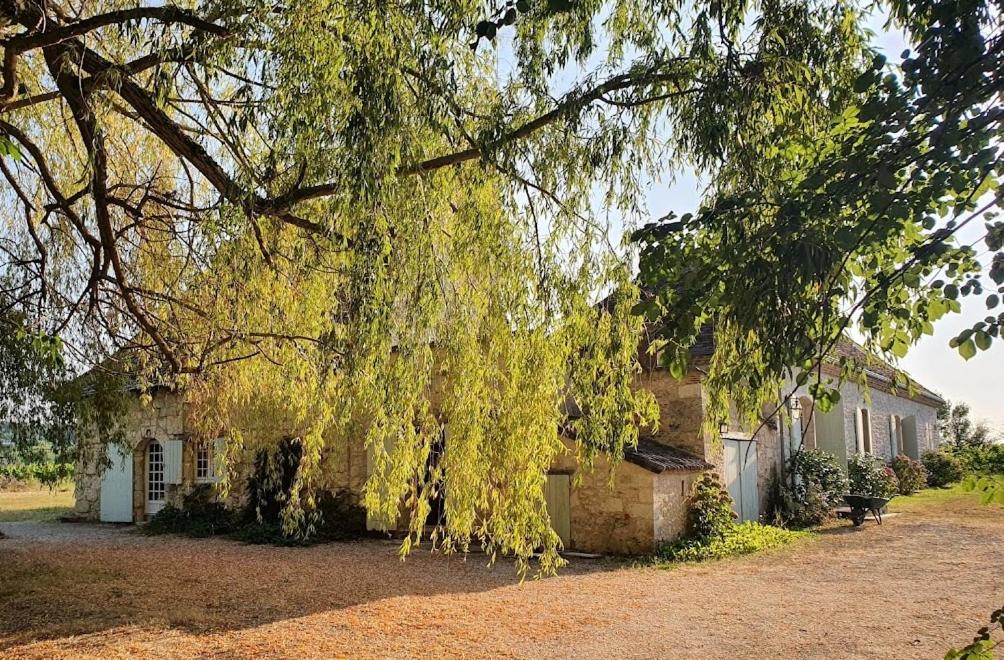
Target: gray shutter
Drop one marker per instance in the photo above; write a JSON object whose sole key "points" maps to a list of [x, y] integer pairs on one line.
{"points": [[116, 487], [172, 461]]}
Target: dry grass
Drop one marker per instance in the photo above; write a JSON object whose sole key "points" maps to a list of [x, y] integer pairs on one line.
{"points": [[913, 587], [41, 504]]}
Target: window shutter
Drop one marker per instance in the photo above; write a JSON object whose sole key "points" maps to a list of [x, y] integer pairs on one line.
{"points": [[172, 461], [219, 446], [859, 434]]}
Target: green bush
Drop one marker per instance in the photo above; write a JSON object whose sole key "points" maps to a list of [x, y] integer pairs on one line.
{"points": [[819, 485], [911, 475], [942, 468], [981, 459], [709, 509], [200, 516], [743, 539], [868, 476]]}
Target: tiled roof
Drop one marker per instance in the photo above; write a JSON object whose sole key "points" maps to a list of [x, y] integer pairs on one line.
{"points": [[878, 369], [659, 458]]}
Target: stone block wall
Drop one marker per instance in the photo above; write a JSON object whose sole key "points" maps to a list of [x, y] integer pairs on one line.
{"points": [[681, 410], [87, 480], [670, 493], [881, 405], [613, 518]]}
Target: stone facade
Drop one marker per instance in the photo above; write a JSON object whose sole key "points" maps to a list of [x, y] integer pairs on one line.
{"points": [[163, 418], [836, 430], [628, 511]]}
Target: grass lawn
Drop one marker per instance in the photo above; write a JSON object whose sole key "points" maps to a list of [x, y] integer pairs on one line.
{"points": [[41, 504], [938, 500]]}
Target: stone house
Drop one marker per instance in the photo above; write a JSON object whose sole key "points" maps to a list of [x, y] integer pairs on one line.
{"points": [[885, 419], [644, 505]]}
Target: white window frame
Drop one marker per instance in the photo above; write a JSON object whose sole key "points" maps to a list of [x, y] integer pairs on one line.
{"points": [[895, 436], [863, 428], [204, 451], [156, 486]]}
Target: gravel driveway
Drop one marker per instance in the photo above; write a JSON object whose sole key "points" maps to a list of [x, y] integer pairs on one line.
{"points": [[919, 584]]}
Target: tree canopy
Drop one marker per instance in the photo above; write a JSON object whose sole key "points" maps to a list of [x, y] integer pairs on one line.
{"points": [[313, 214], [851, 223]]}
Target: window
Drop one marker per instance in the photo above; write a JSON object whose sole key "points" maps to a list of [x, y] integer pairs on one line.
{"points": [[155, 472], [895, 435], [205, 466], [864, 431]]}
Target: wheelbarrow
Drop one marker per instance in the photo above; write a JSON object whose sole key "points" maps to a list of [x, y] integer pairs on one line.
{"points": [[861, 506]]}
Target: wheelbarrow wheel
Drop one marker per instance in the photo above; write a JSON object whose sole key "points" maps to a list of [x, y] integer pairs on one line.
{"points": [[858, 519]]}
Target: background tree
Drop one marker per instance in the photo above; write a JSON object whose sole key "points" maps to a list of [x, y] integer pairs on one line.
{"points": [[956, 427]]}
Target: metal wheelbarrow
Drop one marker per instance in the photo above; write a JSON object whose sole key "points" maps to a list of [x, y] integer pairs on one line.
{"points": [[862, 505]]}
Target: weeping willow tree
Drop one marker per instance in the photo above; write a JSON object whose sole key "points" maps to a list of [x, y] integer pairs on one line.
{"points": [[329, 220]]}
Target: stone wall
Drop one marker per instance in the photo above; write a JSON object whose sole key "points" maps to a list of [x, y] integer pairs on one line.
{"points": [[670, 493], [605, 517], [87, 480], [881, 404], [681, 410]]}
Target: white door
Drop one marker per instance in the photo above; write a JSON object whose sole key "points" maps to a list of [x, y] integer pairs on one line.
{"points": [[116, 487], [741, 477], [155, 488]]}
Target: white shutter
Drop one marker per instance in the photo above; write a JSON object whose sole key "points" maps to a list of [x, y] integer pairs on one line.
{"points": [[893, 449], [859, 432], [172, 461], [219, 446]]}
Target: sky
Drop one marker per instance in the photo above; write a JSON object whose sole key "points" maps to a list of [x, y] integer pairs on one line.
{"points": [[978, 382]]}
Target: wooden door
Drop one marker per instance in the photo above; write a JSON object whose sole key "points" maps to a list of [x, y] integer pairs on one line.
{"points": [[557, 494], [116, 487], [741, 478]]}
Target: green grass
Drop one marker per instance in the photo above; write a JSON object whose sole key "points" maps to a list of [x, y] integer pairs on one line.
{"points": [[41, 505], [934, 498]]}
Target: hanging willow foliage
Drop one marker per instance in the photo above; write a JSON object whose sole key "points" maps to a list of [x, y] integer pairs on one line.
{"points": [[385, 221]]}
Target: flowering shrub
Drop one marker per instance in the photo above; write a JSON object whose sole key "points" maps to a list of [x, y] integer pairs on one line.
{"points": [[869, 476], [910, 474], [709, 513], [818, 484]]}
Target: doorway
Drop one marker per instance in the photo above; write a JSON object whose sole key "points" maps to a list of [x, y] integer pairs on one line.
{"points": [[741, 477], [155, 488]]}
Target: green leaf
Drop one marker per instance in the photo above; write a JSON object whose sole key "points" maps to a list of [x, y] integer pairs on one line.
{"points": [[967, 349], [983, 340]]}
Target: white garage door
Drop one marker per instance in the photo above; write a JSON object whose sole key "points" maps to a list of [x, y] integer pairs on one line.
{"points": [[116, 487], [741, 477]]}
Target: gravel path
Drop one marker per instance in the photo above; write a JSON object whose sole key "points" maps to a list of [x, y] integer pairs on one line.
{"points": [[919, 584]]}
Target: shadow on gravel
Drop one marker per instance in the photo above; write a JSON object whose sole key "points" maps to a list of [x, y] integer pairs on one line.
{"points": [[71, 579]]}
